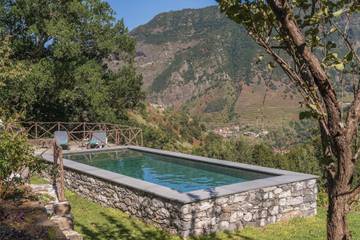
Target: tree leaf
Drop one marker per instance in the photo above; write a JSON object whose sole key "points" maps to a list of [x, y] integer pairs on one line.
{"points": [[349, 56], [333, 29], [338, 13], [339, 66]]}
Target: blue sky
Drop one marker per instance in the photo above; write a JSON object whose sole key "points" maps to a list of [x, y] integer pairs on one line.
{"points": [[138, 12]]}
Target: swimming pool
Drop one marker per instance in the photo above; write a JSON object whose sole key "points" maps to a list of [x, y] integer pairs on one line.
{"points": [[186, 194], [179, 174]]}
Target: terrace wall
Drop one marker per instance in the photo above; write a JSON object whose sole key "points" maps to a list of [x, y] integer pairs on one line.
{"points": [[251, 208]]}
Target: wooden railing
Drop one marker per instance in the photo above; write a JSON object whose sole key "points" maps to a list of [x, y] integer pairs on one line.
{"points": [[80, 132]]}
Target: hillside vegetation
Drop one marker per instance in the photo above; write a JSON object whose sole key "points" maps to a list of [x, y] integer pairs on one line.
{"points": [[202, 61]]}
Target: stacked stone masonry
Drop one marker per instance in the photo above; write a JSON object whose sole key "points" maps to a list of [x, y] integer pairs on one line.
{"points": [[251, 208]]}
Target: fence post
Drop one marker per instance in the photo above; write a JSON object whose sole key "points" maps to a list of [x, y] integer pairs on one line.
{"points": [[59, 174], [117, 137], [36, 130], [84, 131], [141, 138]]}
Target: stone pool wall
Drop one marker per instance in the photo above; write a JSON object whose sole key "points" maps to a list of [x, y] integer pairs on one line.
{"points": [[251, 208]]}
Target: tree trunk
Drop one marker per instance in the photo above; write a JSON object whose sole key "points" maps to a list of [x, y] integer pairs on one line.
{"points": [[339, 183], [336, 219]]}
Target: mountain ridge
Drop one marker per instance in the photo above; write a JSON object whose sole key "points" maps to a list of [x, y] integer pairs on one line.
{"points": [[199, 60]]}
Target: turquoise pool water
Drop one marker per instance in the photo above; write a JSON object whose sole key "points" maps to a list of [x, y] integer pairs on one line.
{"points": [[179, 174]]}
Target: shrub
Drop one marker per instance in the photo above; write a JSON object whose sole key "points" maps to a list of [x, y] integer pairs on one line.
{"points": [[16, 156]]}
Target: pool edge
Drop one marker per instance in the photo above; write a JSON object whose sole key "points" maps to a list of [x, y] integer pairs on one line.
{"points": [[283, 176]]}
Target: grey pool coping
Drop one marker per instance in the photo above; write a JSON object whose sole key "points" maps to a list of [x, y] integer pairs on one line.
{"points": [[280, 176]]}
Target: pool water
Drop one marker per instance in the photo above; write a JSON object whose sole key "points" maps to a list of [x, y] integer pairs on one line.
{"points": [[179, 174]]}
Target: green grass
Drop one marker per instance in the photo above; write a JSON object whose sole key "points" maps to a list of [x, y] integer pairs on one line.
{"points": [[97, 222], [35, 179]]}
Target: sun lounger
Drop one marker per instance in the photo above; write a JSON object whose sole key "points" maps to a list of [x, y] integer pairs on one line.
{"points": [[98, 140], [62, 139]]}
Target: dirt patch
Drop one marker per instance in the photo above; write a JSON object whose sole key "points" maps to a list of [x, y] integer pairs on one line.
{"points": [[23, 217]]}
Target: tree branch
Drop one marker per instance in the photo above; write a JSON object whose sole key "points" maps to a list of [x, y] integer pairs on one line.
{"points": [[351, 195], [347, 41], [283, 13], [353, 117], [356, 155]]}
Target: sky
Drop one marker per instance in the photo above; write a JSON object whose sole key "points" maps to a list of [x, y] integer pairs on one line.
{"points": [[138, 12]]}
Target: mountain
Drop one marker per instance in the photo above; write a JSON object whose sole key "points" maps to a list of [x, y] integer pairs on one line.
{"points": [[199, 60]]}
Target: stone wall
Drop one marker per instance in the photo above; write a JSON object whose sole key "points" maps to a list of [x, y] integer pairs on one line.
{"points": [[58, 212], [252, 208], [160, 212]]}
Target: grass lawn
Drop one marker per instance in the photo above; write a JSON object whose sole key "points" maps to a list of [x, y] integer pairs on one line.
{"points": [[97, 222], [38, 180]]}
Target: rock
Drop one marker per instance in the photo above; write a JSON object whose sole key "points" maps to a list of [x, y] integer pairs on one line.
{"points": [[289, 215], [285, 194], [185, 209], [248, 217], [239, 198], [277, 191], [204, 206], [274, 210], [62, 208], [263, 213], [262, 222], [282, 202], [157, 203], [296, 201], [72, 235], [234, 217], [64, 223], [164, 212], [299, 186], [224, 225], [311, 183]]}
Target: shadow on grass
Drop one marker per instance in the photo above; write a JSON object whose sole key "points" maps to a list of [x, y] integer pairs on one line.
{"points": [[116, 229], [224, 236]]}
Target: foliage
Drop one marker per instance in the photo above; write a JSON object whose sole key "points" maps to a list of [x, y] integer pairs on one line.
{"points": [[68, 46], [216, 105], [216, 147], [155, 137], [9, 70], [168, 129], [16, 156], [301, 158], [297, 132]]}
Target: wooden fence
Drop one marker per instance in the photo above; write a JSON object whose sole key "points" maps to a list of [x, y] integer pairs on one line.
{"points": [[80, 132]]}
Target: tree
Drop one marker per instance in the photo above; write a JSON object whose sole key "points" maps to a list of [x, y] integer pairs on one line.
{"points": [[71, 47], [9, 70], [311, 42]]}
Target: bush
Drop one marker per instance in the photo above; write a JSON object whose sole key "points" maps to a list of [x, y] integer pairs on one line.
{"points": [[216, 105], [16, 157]]}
